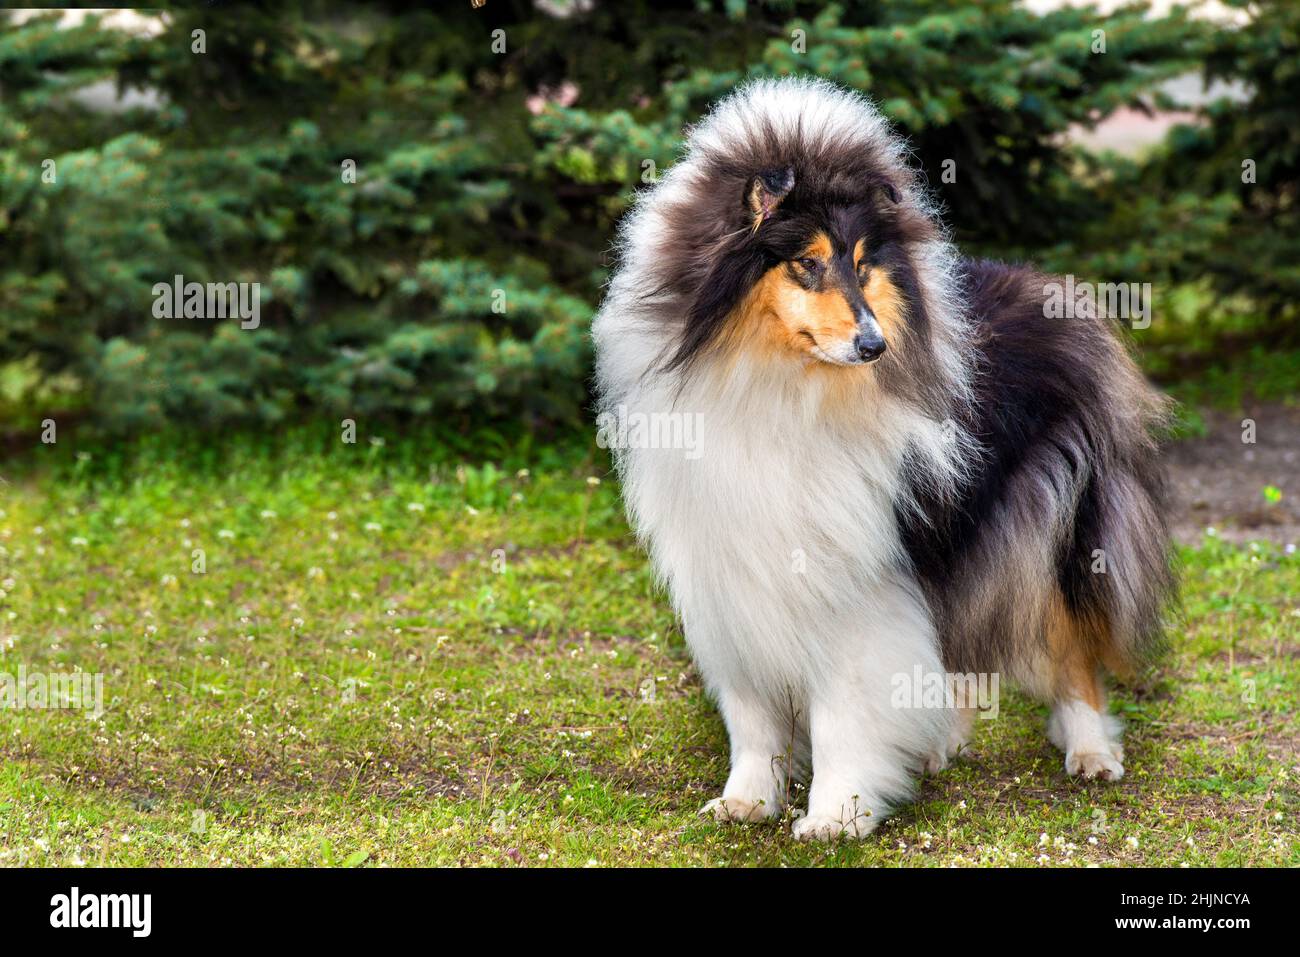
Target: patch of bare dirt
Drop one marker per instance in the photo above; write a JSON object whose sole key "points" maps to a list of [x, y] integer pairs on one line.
{"points": [[1218, 481]]}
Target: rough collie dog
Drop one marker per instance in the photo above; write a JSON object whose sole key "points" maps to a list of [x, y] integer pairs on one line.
{"points": [[905, 468]]}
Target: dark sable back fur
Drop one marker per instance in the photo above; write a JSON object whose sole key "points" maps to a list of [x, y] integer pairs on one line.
{"points": [[1056, 400]]}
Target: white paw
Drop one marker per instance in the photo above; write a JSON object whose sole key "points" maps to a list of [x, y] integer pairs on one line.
{"points": [[736, 810], [958, 738], [1095, 764], [823, 827], [939, 759]]}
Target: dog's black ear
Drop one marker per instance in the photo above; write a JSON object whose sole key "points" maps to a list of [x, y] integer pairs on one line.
{"points": [[765, 192]]}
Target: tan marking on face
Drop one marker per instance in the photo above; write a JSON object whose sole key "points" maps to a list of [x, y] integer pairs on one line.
{"points": [[768, 324], [782, 318], [884, 299], [819, 248]]}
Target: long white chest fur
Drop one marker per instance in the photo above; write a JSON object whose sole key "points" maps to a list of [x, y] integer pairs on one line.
{"points": [[780, 548], [779, 543]]}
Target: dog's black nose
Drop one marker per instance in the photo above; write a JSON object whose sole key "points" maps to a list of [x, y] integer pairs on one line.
{"points": [[869, 346]]}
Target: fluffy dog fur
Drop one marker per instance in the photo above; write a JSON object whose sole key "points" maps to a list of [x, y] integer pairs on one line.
{"points": [[855, 515]]}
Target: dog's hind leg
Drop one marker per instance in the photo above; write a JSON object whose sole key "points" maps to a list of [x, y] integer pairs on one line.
{"points": [[1080, 725]]}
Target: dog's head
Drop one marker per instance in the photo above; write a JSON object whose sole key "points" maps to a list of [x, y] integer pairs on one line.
{"points": [[827, 292], [796, 232], [809, 257]]}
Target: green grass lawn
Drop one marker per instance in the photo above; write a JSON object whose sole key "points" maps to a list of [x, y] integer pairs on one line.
{"points": [[393, 661]]}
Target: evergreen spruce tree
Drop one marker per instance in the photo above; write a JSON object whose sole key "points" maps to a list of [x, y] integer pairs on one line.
{"points": [[427, 196]]}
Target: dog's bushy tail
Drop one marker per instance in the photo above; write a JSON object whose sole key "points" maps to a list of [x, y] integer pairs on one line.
{"points": [[1117, 569]]}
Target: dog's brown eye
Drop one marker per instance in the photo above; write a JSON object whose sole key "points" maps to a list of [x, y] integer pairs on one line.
{"points": [[809, 265], [864, 271]]}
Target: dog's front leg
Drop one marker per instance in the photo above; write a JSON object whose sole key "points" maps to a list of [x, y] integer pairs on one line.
{"points": [[853, 772], [866, 743], [761, 746]]}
